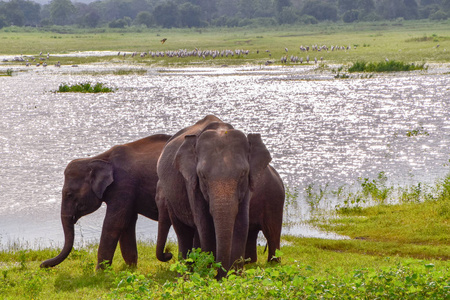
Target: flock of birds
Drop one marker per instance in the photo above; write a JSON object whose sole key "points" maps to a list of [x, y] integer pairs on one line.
{"points": [[238, 53], [42, 60]]}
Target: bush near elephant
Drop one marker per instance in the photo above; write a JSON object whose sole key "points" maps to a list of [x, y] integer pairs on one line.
{"points": [[124, 177], [207, 175]]}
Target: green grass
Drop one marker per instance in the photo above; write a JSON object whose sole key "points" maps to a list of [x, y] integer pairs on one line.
{"points": [[310, 268], [372, 42], [384, 66], [85, 87], [394, 251]]}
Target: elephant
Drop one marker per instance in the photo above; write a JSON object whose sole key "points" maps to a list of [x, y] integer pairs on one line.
{"points": [[265, 214], [207, 173], [125, 178]]}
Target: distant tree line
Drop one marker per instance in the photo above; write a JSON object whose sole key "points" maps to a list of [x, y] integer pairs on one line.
{"points": [[202, 13]]}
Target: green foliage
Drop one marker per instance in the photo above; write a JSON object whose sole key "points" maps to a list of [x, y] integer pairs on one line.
{"points": [[385, 66], [313, 197], [8, 72], [197, 262], [119, 23], [416, 132], [295, 281], [86, 87], [376, 188]]}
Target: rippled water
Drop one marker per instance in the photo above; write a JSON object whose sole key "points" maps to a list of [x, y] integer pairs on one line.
{"points": [[318, 129]]}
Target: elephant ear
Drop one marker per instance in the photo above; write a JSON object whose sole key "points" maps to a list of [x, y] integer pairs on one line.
{"points": [[259, 158], [186, 160], [100, 176]]}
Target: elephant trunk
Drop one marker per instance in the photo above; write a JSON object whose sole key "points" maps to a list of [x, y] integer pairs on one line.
{"points": [[224, 211], [68, 222]]}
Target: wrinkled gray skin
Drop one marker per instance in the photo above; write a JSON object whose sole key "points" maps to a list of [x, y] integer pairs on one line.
{"points": [[207, 173], [123, 177], [266, 215]]}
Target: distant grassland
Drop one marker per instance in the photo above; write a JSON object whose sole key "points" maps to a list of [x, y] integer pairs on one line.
{"points": [[407, 41]]}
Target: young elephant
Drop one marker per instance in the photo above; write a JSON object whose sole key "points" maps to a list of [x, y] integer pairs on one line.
{"points": [[207, 173], [266, 214], [124, 177]]}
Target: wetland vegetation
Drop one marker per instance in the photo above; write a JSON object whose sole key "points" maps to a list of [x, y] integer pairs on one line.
{"points": [[398, 236], [418, 42], [86, 87], [395, 251]]}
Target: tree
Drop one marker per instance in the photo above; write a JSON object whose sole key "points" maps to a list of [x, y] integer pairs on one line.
{"points": [[91, 19], [190, 15], [366, 5], [119, 23], [3, 21], [31, 11], [280, 4], [446, 5], [166, 14], [287, 16], [321, 10], [411, 9], [227, 7], [350, 16], [14, 14], [346, 5], [144, 18], [391, 9], [61, 11], [247, 8]]}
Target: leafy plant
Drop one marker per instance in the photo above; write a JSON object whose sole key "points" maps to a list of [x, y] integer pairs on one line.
{"points": [[341, 76], [384, 66], [314, 198], [416, 132], [376, 188], [86, 87]]}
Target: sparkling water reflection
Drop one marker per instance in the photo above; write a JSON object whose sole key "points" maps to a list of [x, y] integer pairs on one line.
{"points": [[319, 130]]}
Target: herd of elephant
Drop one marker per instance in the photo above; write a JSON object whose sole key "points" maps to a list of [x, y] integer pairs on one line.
{"points": [[209, 181]]}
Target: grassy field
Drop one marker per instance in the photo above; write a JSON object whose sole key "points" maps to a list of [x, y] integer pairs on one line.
{"points": [[405, 41], [396, 251]]}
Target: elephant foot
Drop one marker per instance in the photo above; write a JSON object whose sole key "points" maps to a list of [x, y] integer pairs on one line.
{"points": [[165, 256], [275, 259], [105, 264]]}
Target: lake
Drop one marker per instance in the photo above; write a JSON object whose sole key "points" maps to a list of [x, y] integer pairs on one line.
{"points": [[321, 131]]}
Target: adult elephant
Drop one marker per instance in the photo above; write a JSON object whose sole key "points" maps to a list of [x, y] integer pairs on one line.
{"points": [[206, 174], [124, 177], [265, 214]]}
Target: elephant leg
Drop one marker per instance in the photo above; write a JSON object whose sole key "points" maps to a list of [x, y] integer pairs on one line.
{"points": [[128, 244], [185, 236], [113, 226], [273, 236], [251, 249], [164, 224], [205, 236], [240, 234], [196, 241]]}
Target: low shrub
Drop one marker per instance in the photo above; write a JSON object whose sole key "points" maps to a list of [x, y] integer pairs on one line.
{"points": [[385, 66], [86, 87]]}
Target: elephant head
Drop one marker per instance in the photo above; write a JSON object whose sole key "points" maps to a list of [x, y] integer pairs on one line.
{"points": [[85, 183], [221, 167]]}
